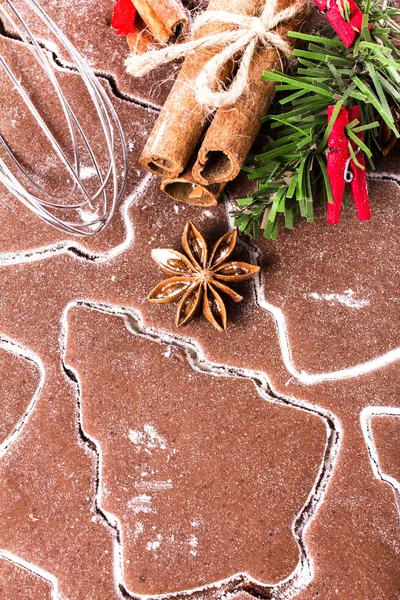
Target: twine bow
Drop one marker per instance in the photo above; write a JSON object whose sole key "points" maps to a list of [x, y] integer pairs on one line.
{"points": [[243, 37]]}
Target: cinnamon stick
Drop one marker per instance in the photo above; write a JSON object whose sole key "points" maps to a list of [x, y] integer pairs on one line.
{"points": [[185, 189], [164, 18], [182, 120], [141, 40], [234, 129]]}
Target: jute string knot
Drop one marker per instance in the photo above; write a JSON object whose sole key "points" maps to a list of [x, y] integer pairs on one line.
{"points": [[242, 38]]}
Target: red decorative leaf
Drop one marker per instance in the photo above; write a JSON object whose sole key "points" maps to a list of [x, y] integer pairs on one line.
{"points": [[123, 19]]}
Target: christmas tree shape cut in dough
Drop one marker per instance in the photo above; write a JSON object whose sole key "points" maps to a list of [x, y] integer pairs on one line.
{"points": [[202, 476]]}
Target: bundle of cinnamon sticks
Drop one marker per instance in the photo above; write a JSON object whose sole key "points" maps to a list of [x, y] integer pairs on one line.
{"points": [[194, 154], [163, 19]]}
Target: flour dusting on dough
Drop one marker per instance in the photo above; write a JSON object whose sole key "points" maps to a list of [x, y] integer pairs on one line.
{"points": [[149, 439], [193, 543], [141, 504], [155, 544], [87, 173], [153, 486], [347, 299]]}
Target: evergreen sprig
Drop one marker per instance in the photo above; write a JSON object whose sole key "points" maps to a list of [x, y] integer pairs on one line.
{"points": [[292, 171]]}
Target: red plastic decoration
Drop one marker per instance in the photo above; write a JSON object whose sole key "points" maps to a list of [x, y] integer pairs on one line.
{"points": [[340, 164], [123, 19], [338, 155], [359, 186], [346, 30]]}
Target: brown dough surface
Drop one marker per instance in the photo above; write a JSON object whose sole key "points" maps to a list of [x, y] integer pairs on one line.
{"points": [[18, 384], [48, 516], [351, 537], [354, 538], [17, 582], [307, 274], [88, 27], [386, 437], [192, 464], [25, 232]]}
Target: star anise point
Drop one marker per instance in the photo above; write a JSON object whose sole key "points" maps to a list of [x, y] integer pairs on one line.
{"points": [[197, 277]]}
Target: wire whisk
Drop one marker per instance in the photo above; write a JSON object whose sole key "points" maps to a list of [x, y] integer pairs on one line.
{"points": [[69, 211]]}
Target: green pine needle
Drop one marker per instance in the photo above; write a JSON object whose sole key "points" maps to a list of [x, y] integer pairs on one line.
{"points": [[292, 171]]}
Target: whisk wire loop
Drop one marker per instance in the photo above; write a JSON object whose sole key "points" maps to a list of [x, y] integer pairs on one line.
{"points": [[110, 186]]}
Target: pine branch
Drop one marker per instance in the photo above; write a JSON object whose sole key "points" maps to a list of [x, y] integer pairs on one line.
{"points": [[292, 172]]}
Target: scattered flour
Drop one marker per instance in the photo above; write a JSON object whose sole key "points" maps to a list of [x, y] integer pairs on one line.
{"points": [[155, 544], [347, 299], [139, 529], [168, 352], [153, 486], [141, 504], [87, 173], [193, 543], [149, 439]]}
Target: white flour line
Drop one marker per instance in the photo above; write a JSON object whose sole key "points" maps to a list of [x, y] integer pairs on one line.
{"points": [[284, 339], [52, 48], [18, 350], [366, 418], [304, 571], [278, 315], [384, 176], [73, 247], [313, 378], [12, 558], [14, 348]]}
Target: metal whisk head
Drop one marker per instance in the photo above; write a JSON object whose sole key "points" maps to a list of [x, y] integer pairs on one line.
{"points": [[68, 211]]}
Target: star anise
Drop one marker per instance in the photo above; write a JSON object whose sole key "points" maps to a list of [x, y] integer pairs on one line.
{"points": [[198, 277]]}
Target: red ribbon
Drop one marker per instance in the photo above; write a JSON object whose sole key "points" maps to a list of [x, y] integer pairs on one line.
{"points": [[123, 19], [342, 168], [346, 30]]}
